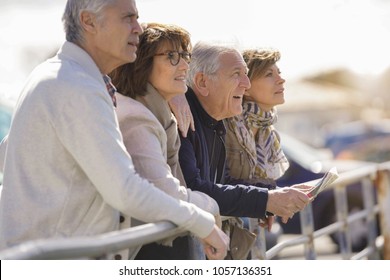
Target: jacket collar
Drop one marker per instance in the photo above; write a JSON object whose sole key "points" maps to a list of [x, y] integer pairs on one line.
{"points": [[204, 117], [78, 55], [156, 103]]}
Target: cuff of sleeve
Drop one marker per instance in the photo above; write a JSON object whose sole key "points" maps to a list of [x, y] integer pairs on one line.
{"points": [[268, 214], [200, 223], [203, 201], [203, 223]]}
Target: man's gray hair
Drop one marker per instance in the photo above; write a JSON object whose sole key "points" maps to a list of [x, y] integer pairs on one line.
{"points": [[205, 59], [71, 18]]}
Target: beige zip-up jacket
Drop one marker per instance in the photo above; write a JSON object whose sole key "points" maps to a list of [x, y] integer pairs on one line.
{"points": [[66, 169]]}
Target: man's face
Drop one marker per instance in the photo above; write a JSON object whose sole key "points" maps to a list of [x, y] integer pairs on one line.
{"points": [[117, 34], [227, 87]]}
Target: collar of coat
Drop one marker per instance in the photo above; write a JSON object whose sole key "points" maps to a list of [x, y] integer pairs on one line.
{"points": [[205, 118]]}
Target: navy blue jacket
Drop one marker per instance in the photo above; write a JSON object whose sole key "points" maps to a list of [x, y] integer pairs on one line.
{"points": [[202, 158]]}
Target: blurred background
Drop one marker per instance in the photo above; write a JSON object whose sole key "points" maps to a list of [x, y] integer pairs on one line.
{"points": [[335, 58]]}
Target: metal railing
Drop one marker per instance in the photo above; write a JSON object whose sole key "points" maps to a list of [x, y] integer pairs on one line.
{"points": [[96, 247], [371, 176]]}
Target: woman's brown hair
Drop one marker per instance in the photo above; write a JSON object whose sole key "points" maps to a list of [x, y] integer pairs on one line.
{"points": [[259, 60]]}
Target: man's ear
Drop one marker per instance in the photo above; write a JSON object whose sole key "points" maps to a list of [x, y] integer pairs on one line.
{"points": [[88, 21], [201, 83]]}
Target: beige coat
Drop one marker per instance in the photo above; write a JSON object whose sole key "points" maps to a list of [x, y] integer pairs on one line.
{"points": [[237, 157], [146, 141], [161, 110], [154, 156]]}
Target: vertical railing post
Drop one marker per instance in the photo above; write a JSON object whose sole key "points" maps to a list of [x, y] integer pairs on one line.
{"points": [[196, 249], [345, 243], [258, 251], [307, 228], [383, 191], [371, 222]]}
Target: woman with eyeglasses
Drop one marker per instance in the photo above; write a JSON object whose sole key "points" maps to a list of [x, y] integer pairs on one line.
{"points": [[150, 129]]}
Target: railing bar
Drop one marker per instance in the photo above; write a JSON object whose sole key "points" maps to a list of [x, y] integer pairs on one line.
{"points": [[76, 247], [285, 244], [332, 228], [363, 254], [96, 246]]}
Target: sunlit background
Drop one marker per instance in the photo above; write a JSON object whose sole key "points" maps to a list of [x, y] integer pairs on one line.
{"points": [[335, 53]]}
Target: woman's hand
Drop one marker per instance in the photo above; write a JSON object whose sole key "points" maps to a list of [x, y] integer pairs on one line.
{"points": [[182, 112]]}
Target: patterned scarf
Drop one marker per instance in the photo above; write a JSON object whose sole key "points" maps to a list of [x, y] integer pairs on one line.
{"points": [[271, 163]]}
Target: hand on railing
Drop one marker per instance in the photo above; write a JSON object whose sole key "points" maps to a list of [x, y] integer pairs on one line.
{"points": [[216, 244], [267, 222]]}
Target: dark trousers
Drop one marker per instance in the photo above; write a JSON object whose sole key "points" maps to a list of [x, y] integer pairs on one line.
{"points": [[179, 251]]}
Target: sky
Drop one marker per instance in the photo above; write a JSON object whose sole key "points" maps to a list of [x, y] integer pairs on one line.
{"points": [[312, 35]]}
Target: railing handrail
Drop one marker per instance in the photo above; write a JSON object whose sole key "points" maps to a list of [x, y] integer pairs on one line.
{"points": [[92, 246]]}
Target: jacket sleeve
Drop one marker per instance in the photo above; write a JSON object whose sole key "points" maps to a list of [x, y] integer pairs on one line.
{"points": [[270, 185], [233, 200], [3, 147]]}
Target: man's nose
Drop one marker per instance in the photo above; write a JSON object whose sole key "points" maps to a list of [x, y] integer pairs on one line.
{"points": [[245, 82]]}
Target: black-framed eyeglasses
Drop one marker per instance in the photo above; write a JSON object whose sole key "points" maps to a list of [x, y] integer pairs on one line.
{"points": [[174, 56]]}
